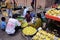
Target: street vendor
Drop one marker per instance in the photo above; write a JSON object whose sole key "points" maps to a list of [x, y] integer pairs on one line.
{"points": [[37, 22], [28, 16], [13, 25], [9, 8]]}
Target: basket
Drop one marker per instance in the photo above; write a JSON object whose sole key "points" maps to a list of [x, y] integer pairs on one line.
{"points": [[28, 34]]}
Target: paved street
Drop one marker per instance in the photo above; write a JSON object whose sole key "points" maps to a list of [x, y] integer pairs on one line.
{"points": [[4, 36]]}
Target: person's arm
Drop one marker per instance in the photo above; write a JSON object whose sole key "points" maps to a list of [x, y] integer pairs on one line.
{"points": [[26, 16], [38, 23], [30, 17], [5, 24], [18, 23]]}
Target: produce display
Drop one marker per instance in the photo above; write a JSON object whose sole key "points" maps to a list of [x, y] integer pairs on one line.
{"points": [[24, 24], [59, 6], [53, 12], [29, 31], [43, 35], [58, 38]]}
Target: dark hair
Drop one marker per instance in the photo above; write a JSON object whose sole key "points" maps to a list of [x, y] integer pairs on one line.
{"points": [[3, 19], [55, 3], [38, 15], [15, 16], [44, 12], [24, 7], [28, 12]]}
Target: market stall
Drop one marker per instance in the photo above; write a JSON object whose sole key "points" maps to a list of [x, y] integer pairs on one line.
{"points": [[32, 33], [44, 35], [53, 14], [53, 20]]}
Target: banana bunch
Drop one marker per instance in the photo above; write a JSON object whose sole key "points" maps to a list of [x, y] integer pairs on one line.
{"points": [[43, 35], [58, 38], [24, 24], [59, 6], [29, 31], [53, 12]]}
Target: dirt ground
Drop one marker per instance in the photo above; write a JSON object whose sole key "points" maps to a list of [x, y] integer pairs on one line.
{"points": [[4, 36]]}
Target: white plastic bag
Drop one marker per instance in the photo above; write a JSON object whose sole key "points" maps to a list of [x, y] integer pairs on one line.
{"points": [[39, 28]]}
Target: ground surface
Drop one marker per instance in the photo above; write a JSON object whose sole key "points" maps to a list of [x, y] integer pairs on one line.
{"points": [[4, 36]]}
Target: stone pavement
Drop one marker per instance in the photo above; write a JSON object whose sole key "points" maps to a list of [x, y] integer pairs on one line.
{"points": [[4, 36]]}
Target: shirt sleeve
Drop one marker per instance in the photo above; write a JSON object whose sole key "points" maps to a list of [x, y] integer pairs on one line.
{"points": [[18, 23], [5, 24]]}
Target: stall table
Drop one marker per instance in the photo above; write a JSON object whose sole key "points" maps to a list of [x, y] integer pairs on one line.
{"points": [[54, 20], [52, 17]]}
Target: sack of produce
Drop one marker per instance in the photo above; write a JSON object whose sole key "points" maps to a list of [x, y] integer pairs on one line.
{"points": [[29, 31]]}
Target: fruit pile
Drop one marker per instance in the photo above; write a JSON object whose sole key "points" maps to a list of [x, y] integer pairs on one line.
{"points": [[58, 38], [24, 24], [59, 6], [53, 12], [43, 35], [29, 31]]}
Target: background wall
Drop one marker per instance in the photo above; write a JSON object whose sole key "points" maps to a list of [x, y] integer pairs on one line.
{"points": [[43, 3]]}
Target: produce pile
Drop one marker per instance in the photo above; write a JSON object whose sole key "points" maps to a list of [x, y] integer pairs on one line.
{"points": [[24, 24], [58, 38], [59, 6], [29, 31], [53, 12], [43, 35]]}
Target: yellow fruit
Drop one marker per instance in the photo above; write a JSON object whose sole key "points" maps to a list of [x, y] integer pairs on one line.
{"points": [[41, 35], [54, 15], [24, 24], [38, 34], [47, 38], [53, 12], [35, 37], [59, 6], [58, 38], [41, 39], [29, 31]]}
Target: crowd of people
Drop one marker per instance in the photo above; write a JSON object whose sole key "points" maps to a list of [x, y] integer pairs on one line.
{"points": [[13, 24], [32, 18]]}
